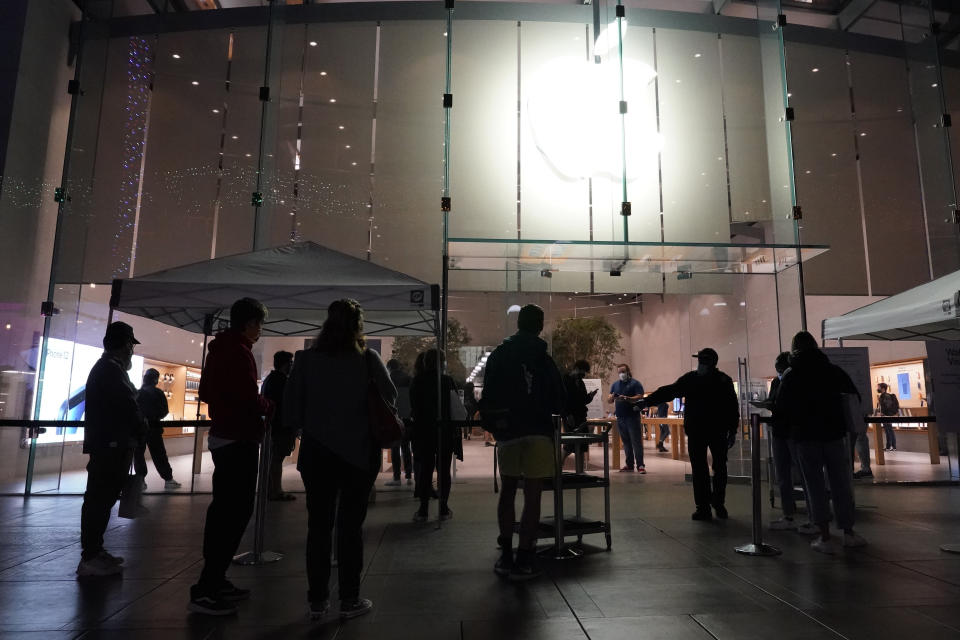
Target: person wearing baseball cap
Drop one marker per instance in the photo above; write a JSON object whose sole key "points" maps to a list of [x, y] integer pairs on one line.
{"points": [[710, 421], [113, 428]]}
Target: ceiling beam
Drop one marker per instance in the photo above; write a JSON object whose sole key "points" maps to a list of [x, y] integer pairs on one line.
{"points": [[718, 5], [854, 10]]}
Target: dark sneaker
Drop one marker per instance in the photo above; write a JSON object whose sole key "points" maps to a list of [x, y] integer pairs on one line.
{"points": [[626, 469], [702, 514], [210, 606], [112, 558], [721, 512], [98, 567], [524, 569], [446, 513], [420, 515], [318, 609], [231, 593], [355, 608], [504, 564], [661, 448], [863, 473]]}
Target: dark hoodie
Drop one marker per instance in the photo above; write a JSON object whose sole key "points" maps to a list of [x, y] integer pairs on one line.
{"points": [[523, 379], [809, 400], [228, 385], [711, 407]]}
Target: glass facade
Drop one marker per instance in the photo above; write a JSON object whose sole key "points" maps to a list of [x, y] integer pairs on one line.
{"points": [[678, 174]]}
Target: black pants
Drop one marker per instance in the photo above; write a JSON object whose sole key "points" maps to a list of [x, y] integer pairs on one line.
{"points": [[234, 494], [336, 492], [158, 452], [106, 473], [430, 459], [697, 449], [395, 455]]}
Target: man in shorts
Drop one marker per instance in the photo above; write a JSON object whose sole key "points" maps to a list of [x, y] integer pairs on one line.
{"points": [[522, 392]]}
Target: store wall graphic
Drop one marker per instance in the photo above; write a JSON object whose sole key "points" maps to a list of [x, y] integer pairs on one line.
{"points": [[65, 377]]}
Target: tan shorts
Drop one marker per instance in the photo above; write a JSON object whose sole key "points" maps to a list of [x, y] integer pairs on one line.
{"points": [[528, 457]]}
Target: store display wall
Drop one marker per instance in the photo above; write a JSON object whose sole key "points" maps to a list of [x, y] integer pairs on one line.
{"points": [[172, 147]]}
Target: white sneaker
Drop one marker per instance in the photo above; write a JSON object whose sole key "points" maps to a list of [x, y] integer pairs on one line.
{"points": [[392, 483], [783, 524], [853, 540], [171, 484], [98, 566], [808, 529], [824, 546]]}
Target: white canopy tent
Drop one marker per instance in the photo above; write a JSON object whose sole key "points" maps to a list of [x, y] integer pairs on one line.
{"points": [[927, 312], [297, 282]]}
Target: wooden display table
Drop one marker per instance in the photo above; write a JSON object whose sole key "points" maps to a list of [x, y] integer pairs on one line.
{"points": [[933, 435], [678, 437]]}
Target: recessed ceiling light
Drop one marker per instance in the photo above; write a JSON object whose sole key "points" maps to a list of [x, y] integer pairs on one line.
{"points": [[313, 43], [176, 56], [323, 73], [697, 55], [815, 70], [353, 163], [215, 110], [233, 137], [863, 134], [341, 127], [247, 154], [194, 83], [347, 146]]}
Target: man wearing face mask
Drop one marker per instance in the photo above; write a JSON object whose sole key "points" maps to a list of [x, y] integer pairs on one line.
{"points": [[710, 420], [625, 393], [113, 428]]}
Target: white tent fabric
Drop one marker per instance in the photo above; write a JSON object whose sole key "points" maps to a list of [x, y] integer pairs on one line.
{"points": [[297, 282], [927, 312]]}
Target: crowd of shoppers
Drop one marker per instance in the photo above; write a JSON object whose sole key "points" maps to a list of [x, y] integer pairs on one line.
{"points": [[323, 395]]}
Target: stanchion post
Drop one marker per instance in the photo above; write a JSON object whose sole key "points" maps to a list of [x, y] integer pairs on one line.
{"points": [[258, 555], [757, 547]]}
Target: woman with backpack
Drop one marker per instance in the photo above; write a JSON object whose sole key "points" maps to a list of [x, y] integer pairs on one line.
{"points": [[326, 396]]}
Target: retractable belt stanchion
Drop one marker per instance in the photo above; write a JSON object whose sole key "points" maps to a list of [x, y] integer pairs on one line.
{"points": [[757, 547], [258, 555]]}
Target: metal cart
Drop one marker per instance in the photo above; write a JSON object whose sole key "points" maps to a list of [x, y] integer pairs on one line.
{"points": [[561, 526]]}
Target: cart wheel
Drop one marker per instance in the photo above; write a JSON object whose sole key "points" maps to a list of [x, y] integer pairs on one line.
{"points": [[609, 542]]}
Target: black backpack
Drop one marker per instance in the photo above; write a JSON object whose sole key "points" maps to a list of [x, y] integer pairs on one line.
{"points": [[519, 394], [889, 405]]}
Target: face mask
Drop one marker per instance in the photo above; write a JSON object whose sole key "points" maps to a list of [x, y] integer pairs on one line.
{"points": [[624, 377]]}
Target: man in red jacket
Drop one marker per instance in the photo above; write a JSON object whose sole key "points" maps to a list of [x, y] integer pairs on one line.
{"points": [[228, 385]]}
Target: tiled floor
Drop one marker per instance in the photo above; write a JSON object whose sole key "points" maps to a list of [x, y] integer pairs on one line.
{"points": [[666, 577]]}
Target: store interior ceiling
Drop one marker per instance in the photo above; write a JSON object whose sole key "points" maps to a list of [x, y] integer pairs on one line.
{"points": [[879, 18]]}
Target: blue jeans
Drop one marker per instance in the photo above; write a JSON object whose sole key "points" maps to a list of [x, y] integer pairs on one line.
{"points": [[889, 436], [832, 456], [664, 432], [631, 435]]}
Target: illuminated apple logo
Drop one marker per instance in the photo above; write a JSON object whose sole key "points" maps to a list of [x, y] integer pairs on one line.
{"points": [[573, 112]]}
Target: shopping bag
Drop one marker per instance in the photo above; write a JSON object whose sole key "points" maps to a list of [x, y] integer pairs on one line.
{"points": [[130, 507]]}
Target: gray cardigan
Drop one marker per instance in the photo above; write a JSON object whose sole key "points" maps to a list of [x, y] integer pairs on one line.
{"points": [[326, 398]]}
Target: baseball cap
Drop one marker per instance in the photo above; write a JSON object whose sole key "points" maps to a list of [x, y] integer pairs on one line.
{"points": [[119, 332], [707, 356]]}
